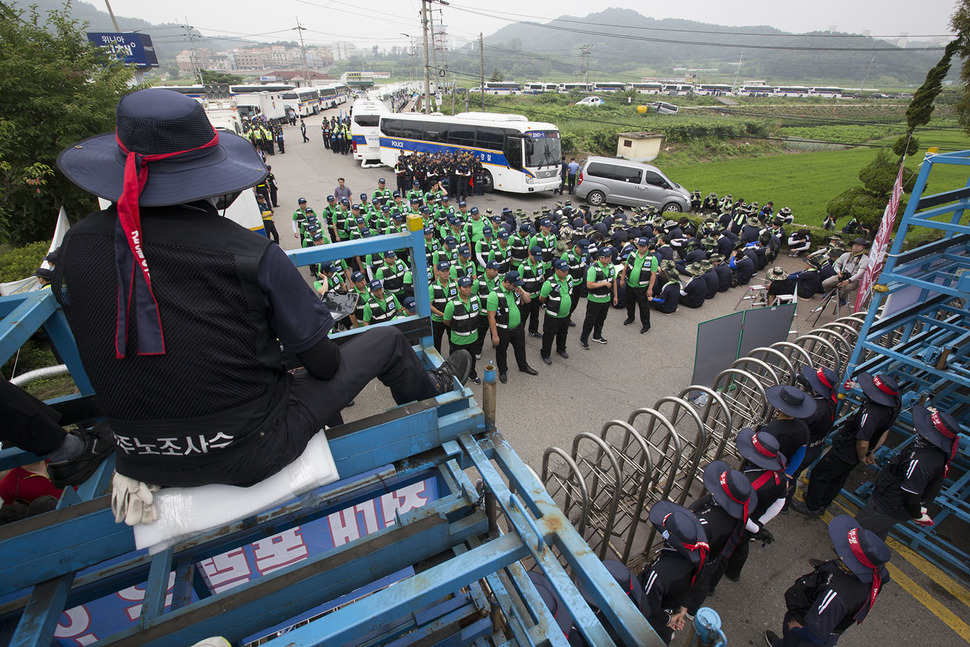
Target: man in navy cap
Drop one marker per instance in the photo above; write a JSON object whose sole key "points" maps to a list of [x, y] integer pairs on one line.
{"points": [[668, 581], [854, 443], [601, 282], [382, 305], [838, 593], [505, 323], [639, 274], [556, 296], [577, 256], [461, 316], [532, 274], [545, 240], [912, 479], [382, 194], [209, 395], [442, 290]]}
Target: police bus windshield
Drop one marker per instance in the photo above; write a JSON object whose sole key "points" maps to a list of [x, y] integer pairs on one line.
{"points": [[542, 148]]}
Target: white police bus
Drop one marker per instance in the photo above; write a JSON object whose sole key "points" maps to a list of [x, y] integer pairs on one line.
{"points": [[365, 131], [517, 155], [303, 101]]}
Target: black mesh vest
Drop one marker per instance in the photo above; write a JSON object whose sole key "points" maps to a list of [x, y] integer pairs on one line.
{"points": [[222, 369]]}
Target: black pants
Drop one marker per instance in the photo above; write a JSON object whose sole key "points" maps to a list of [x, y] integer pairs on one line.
{"points": [[271, 232], [733, 565], [514, 337], [273, 193], [28, 423], [826, 481], [554, 328], [383, 353], [876, 518], [579, 292], [572, 184], [637, 297], [596, 312], [438, 331], [473, 349], [530, 314], [402, 184]]}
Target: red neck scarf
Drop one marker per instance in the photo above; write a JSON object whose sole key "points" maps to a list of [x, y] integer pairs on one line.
{"points": [[832, 390], [941, 427], [860, 555], [129, 252]]}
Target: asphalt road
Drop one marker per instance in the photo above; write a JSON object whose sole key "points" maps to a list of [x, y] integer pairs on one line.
{"points": [[610, 381]]}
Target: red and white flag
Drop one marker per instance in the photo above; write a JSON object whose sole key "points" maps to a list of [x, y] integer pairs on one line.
{"points": [[877, 253]]}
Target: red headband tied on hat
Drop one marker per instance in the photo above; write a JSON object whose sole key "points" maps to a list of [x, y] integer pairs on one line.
{"points": [[727, 490], [860, 555], [883, 387], [941, 427], [151, 340], [832, 390]]}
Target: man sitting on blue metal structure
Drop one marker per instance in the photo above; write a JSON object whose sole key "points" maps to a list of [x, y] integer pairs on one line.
{"points": [[179, 314]]}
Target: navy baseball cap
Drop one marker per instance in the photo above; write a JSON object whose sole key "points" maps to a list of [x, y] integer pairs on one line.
{"points": [[303, 200], [386, 208], [582, 243], [375, 285], [492, 265], [487, 231], [390, 254], [365, 232], [396, 194], [605, 250], [357, 277], [444, 266], [545, 222], [513, 278], [328, 267], [643, 242], [461, 203], [560, 264], [464, 281], [317, 236], [381, 181], [474, 210], [330, 198], [451, 241], [535, 250], [410, 304], [355, 206], [363, 196], [524, 226], [464, 251], [345, 201], [504, 235]]}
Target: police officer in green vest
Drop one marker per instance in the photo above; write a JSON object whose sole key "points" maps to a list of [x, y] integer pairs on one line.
{"points": [[442, 290], [577, 257], [461, 316], [546, 241], [639, 274], [465, 265], [485, 283], [505, 324], [299, 218], [382, 195], [501, 252], [532, 273], [556, 297], [359, 283], [382, 305], [391, 274], [601, 282]]}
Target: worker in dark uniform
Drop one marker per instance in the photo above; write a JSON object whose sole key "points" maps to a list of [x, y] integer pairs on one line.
{"points": [[792, 408], [742, 266], [505, 324], [724, 513], [556, 298], [711, 281], [838, 593], [694, 292], [822, 385], [639, 273], [723, 271], [667, 289], [667, 582], [853, 444], [913, 478], [601, 282], [780, 284], [764, 466]]}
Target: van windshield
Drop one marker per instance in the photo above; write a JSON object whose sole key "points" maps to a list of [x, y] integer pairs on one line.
{"points": [[542, 148]]}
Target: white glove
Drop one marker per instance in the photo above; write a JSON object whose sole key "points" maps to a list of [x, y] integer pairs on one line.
{"points": [[133, 501]]}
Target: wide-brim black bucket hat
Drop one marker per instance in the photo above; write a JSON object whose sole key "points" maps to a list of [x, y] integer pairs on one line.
{"points": [[156, 121]]}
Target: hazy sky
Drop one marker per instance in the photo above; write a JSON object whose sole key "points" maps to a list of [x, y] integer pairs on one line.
{"points": [[382, 21]]}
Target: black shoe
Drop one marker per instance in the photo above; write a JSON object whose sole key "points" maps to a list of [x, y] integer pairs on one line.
{"points": [[644, 329], [815, 563], [98, 443], [770, 637], [563, 354], [529, 370], [503, 377], [628, 321], [572, 324], [547, 360], [351, 403], [476, 379], [534, 334], [599, 340], [459, 365], [584, 345], [801, 508]]}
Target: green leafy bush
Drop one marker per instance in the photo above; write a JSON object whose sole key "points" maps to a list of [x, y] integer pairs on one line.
{"points": [[21, 262]]}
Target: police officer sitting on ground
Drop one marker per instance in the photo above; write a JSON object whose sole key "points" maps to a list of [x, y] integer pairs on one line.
{"points": [[156, 357], [838, 593], [913, 477]]}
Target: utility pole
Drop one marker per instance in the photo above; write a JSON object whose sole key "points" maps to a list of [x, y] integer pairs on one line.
{"points": [[112, 14], [454, 91], [427, 66], [738, 72], [868, 69], [434, 42], [196, 70], [481, 56], [585, 55], [306, 67]]}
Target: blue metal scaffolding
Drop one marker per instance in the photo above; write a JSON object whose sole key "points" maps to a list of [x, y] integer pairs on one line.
{"points": [[917, 329], [463, 555]]}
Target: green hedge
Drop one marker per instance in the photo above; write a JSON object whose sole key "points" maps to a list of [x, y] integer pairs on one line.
{"points": [[21, 262]]}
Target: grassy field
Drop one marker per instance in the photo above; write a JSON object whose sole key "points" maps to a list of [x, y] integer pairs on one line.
{"points": [[806, 182]]}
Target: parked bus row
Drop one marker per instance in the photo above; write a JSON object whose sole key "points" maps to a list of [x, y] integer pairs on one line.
{"points": [[675, 88], [274, 100]]}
